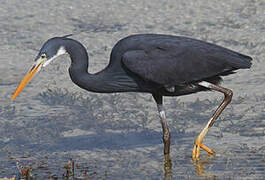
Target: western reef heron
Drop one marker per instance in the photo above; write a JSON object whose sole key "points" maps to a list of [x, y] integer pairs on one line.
{"points": [[163, 65]]}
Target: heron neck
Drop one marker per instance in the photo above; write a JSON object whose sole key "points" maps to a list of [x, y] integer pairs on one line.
{"points": [[105, 81], [78, 69], [78, 55]]}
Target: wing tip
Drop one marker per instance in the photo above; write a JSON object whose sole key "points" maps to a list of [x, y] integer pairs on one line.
{"points": [[247, 61]]}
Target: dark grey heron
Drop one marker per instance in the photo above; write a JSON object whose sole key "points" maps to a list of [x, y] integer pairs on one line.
{"points": [[162, 65]]}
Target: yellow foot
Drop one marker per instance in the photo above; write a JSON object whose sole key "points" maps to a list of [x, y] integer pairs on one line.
{"points": [[205, 148], [198, 143], [196, 150]]}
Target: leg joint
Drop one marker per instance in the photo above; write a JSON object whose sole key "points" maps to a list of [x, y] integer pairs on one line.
{"points": [[228, 94]]}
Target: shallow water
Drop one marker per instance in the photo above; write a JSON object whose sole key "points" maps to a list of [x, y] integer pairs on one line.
{"points": [[118, 136]]}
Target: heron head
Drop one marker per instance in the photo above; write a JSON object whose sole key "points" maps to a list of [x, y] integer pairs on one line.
{"points": [[50, 50]]}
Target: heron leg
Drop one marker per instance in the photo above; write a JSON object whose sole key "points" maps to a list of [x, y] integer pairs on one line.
{"points": [[227, 99], [166, 133]]}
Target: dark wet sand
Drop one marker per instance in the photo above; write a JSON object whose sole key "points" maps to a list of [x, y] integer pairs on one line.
{"points": [[118, 136]]}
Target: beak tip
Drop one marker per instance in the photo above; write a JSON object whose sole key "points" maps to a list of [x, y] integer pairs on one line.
{"points": [[13, 98], [26, 79]]}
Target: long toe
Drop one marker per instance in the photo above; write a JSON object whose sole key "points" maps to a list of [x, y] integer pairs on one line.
{"points": [[207, 149], [196, 152]]}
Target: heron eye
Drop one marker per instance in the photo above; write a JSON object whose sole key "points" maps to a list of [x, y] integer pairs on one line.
{"points": [[43, 56]]}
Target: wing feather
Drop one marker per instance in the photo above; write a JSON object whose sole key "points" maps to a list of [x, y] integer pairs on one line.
{"points": [[168, 64]]}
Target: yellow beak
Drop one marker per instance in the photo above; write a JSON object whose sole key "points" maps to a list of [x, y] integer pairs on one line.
{"points": [[35, 68]]}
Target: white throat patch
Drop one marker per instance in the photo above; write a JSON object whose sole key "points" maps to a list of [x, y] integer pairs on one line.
{"points": [[60, 52]]}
